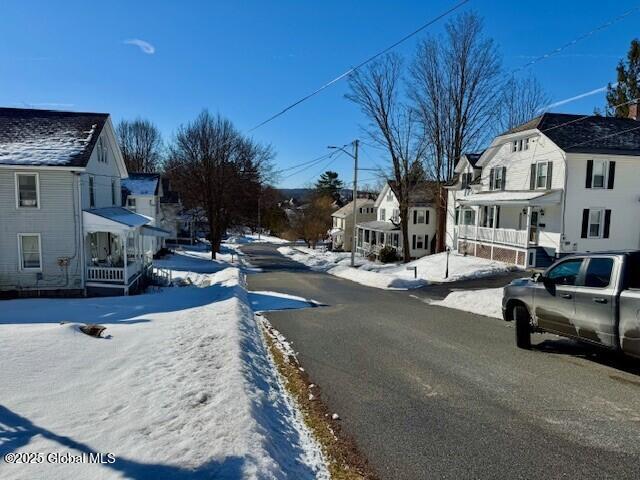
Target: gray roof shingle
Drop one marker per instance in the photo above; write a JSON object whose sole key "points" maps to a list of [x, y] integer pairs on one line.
{"points": [[48, 138], [587, 134]]}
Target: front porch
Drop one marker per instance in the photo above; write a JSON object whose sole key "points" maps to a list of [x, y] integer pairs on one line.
{"points": [[514, 227], [116, 261], [374, 236]]}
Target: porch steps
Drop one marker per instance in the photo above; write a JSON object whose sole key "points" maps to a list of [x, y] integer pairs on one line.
{"points": [[545, 257]]}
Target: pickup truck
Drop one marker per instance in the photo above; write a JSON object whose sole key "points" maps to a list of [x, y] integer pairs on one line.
{"points": [[593, 298]]}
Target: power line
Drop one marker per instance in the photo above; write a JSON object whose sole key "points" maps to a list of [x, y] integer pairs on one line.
{"points": [[360, 65]]}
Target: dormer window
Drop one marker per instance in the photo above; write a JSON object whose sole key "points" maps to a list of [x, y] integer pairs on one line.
{"points": [[466, 179]]}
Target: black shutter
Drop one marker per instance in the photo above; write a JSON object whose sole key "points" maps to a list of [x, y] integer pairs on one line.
{"points": [[589, 174], [585, 222], [532, 179], [457, 216], [413, 243], [415, 217], [491, 176], [549, 174], [504, 177], [497, 216], [426, 242], [612, 175], [426, 217], [607, 223]]}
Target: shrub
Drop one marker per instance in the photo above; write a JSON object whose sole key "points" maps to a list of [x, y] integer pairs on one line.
{"points": [[388, 254]]}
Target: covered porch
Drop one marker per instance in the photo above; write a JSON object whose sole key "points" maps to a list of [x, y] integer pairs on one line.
{"points": [[375, 235], [115, 260], [515, 227]]}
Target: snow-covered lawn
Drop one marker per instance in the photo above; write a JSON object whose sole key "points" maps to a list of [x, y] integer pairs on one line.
{"points": [[398, 275], [181, 387], [487, 301], [253, 238]]}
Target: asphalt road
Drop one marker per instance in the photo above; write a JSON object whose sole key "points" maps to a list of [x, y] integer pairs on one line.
{"points": [[429, 392]]}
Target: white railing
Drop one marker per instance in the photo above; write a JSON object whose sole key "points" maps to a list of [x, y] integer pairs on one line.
{"points": [[105, 274], [505, 236]]}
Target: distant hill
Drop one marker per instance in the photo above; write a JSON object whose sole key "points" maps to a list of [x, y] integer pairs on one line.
{"points": [[301, 195]]}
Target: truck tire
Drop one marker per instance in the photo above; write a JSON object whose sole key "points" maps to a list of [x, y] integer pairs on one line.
{"points": [[523, 327]]}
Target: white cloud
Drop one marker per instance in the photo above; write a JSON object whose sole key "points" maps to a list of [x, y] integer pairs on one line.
{"points": [[145, 46]]}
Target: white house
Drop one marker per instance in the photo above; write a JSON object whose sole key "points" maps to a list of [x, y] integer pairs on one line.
{"points": [[141, 193], [555, 185], [342, 222], [170, 208], [63, 230], [385, 229]]}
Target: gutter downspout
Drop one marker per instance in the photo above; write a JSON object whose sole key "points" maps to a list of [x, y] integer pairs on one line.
{"points": [[81, 233], [564, 204]]}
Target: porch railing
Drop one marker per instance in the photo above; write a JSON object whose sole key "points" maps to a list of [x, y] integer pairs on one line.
{"points": [[105, 274], [505, 236]]}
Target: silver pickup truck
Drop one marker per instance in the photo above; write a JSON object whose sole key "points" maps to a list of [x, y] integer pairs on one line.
{"points": [[593, 298]]}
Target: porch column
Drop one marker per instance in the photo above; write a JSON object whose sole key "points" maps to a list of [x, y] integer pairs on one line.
{"points": [[526, 241], [493, 228], [123, 241], [475, 244]]}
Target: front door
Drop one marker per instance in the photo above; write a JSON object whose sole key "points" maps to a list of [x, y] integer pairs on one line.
{"points": [[533, 227], [554, 302], [595, 298]]}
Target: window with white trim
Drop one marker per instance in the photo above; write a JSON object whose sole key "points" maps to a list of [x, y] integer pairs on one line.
{"points": [[131, 204], [498, 178], [542, 171], [419, 242], [596, 220], [27, 190], [102, 151], [520, 145], [382, 214], [599, 174], [30, 252], [389, 195], [420, 216]]}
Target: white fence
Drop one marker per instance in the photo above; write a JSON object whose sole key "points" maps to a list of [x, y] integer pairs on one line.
{"points": [[505, 236], [105, 274]]}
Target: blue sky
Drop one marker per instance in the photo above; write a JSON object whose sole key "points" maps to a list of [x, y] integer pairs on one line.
{"points": [[249, 59]]}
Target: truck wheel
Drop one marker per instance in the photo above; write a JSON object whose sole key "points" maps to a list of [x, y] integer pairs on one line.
{"points": [[523, 327]]}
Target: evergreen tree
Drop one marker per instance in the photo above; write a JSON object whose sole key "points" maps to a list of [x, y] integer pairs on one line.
{"points": [[329, 185], [628, 86]]}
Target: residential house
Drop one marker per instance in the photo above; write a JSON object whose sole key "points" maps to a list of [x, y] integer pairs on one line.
{"points": [[385, 229], [141, 193], [555, 185], [170, 208], [63, 229], [342, 222]]}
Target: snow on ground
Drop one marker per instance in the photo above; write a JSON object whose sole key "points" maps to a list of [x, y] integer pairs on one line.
{"points": [[486, 301], [181, 387], [253, 238], [397, 276]]}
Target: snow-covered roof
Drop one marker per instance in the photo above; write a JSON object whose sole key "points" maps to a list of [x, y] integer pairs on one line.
{"points": [[348, 208], [119, 215], [506, 197], [141, 184], [48, 138], [379, 226]]}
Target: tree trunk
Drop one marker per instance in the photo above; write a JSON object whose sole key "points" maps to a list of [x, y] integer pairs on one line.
{"points": [[212, 243], [441, 216], [404, 227]]}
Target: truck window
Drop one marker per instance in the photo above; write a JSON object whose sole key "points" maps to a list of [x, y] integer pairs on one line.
{"points": [[566, 272], [599, 272], [633, 271]]}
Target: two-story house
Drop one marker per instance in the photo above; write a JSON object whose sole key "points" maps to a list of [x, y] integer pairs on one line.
{"points": [[555, 185], [342, 222], [385, 230], [63, 230], [142, 193]]}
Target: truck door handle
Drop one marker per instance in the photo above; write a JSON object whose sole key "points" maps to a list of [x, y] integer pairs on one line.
{"points": [[565, 295], [599, 300]]}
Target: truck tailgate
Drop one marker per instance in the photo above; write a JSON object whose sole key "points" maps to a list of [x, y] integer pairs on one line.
{"points": [[630, 322]]}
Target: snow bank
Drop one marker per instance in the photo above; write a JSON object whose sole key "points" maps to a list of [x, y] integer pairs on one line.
{"points": [[486, 302], [182, 387], [430, 269], [253, 238]]}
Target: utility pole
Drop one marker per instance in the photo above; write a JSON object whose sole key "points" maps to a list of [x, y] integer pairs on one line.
{"points": [[355, 198]]}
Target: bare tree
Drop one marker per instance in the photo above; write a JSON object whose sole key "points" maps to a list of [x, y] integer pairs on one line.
{"points": [[214, 167], [520, 100], [393, 125], [453, 86], [141, 145]]}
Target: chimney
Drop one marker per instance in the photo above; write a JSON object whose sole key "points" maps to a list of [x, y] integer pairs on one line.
{"points": [[633, 111]]}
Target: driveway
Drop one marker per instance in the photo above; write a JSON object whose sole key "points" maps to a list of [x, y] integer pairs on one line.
{"points": [[429, 392]]}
